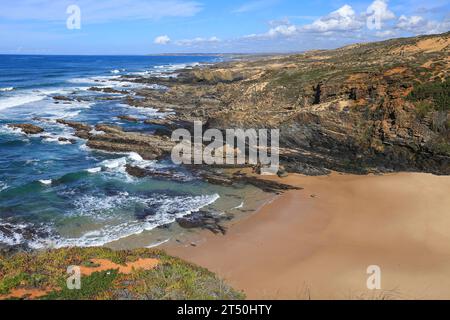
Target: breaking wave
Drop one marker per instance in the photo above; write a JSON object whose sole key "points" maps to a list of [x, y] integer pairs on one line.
{"points": [[166, 210]]}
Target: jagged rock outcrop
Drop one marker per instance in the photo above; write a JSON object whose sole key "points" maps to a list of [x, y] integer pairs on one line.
{"points": [[128, 118], [27, 128], [108, 90], [114, 139], [82, 130]]}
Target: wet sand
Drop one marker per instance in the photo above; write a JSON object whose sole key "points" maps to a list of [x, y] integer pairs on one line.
{"points": [[317, 243]]}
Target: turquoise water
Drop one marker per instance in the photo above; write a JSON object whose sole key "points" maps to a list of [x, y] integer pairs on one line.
{"points": [[55, 193]]}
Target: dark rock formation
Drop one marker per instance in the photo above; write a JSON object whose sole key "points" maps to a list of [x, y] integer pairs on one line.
{"points": [[62, 139], [225, 179], [75, 125], [202, 220], [114, 139], [128, 118], [82, 130], [108, 90], [27, 128], [62, 98], [142, 173]]}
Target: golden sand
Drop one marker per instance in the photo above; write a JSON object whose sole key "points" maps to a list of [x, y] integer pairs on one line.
{"points": [[318, 243]]}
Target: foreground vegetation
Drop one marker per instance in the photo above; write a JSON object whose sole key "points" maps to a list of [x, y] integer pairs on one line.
{"points": [[45, 271]]}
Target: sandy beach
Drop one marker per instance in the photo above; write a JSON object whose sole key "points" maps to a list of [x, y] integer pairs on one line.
{"points": [[317, 243]]}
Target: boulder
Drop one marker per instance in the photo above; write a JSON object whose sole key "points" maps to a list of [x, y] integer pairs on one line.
{"points": [[27, 128], [201, 220], [128, 118]]}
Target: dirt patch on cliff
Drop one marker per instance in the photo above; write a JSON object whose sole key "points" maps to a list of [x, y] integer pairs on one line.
{"points": [[397, 70], [427, 45], [105, 265], [22, 293]]}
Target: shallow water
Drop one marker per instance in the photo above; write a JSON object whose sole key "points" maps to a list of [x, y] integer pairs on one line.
{"points": [[55, 193]]}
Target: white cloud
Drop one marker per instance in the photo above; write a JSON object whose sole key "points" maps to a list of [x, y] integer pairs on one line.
{"points": [[283, 30], [279, 29], [343, 19], [346, 24], [255, 5], [411, 23], [420, 25], [163, 40], [100, 10], [379, 9], [198, 41], [385, 34]]}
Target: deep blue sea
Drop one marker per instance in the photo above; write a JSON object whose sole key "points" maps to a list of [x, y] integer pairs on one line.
{"points": [[55, 193]]}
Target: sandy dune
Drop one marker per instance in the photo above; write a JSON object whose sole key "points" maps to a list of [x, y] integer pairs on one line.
{"points": [[318, 243]]}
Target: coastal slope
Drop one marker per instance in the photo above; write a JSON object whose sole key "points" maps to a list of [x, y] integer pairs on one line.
{"points": [[107, 275]]}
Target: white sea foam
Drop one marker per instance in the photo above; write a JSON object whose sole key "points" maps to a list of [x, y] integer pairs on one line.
{"points": [[56, 140], [105, 81], [19, 233], [3, 186], [63, 138], [148, 112], [167, 71], [46, 182], [25, 98], [8, 130], [157, 244], [94, 170], [94, 80], [169, 209], [135, 157], [18, 100], [84, 147], [239, 206], [114, 163], [7, 89], [118, 166], [96, 132]]}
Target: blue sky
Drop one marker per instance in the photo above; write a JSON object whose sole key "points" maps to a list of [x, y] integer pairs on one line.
{"points": [[183, 26]]}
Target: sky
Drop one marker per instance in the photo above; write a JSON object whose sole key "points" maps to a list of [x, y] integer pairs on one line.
{"points": [[136, 27]]}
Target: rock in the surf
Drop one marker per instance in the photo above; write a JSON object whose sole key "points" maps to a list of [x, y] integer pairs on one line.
{"points": [[27, 128], [114, 139], [128, 118]]}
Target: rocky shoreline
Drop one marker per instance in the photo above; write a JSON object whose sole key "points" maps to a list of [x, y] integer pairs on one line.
{"points": [[333, 112], [358, 109], [351, 110]]}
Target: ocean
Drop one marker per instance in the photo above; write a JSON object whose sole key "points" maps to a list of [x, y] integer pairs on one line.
{"points": [[54, 193]]}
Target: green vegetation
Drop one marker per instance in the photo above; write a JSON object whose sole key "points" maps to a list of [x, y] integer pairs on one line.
{"points": [[171, 279], [93, 287], [423, 107], [442, 147], [177, 280], [431, 96]]}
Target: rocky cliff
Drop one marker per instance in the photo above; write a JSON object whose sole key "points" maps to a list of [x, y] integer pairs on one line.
{"points": [[374, 107]]}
